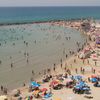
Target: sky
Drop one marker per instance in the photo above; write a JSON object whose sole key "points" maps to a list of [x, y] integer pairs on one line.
{"points": [[49, 3]]}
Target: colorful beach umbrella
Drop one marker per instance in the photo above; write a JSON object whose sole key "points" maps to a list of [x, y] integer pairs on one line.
{"points": [[44, 89], [35, 84], [93, 76], [36, 92], [55, 82], [94, 80]]}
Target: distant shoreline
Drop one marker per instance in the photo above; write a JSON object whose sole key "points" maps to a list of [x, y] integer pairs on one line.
{"points": [[46, 21]]}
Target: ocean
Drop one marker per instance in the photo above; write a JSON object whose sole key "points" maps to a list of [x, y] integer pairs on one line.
{"points": [[31, 14]]}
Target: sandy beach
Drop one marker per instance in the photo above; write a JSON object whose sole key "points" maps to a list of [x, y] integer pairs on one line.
{"points": [[69, 61]]}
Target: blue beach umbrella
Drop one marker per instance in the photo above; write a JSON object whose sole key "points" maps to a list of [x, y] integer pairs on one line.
{"points": [[94, 80], [77, 78], [86, 88], [48, 95], [35, 84]]}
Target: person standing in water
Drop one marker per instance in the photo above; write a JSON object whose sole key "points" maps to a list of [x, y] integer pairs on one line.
{"points": [[33, 72], [66, 56], [0, 62], [54, 67], [11, 65], [27, 61]]}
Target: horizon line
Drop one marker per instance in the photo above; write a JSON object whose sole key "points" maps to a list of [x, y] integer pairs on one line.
{"points": [[55, 6]]}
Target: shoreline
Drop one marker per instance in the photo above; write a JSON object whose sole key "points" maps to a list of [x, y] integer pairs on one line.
{"points": [[69, 58], [58, 23], [40, 21]]}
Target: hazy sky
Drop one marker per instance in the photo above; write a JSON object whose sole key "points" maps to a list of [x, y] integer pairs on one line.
{"points": [[49, 2]]}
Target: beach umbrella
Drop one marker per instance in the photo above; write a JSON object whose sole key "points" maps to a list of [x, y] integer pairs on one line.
{"points": [[48, 95], [77, 87], [55, 82], [94, 80], [36, 92], [86, 88], [77, 78], [35, 84], [93, 76], [44, 89]]}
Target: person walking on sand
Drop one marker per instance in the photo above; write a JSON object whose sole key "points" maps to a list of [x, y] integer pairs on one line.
{"points": [[74, 60], [5, 91], [94, 71], [95, 63], [53, 68], [76, 70], [70, 52], [61, 65], [81, 69], [65, 68], [88, 61], [48, 70], [83, 61]]}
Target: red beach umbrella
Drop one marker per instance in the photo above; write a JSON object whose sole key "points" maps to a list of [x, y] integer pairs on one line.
{"points": [[44, 89], [54, 82], [93, 76]]}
